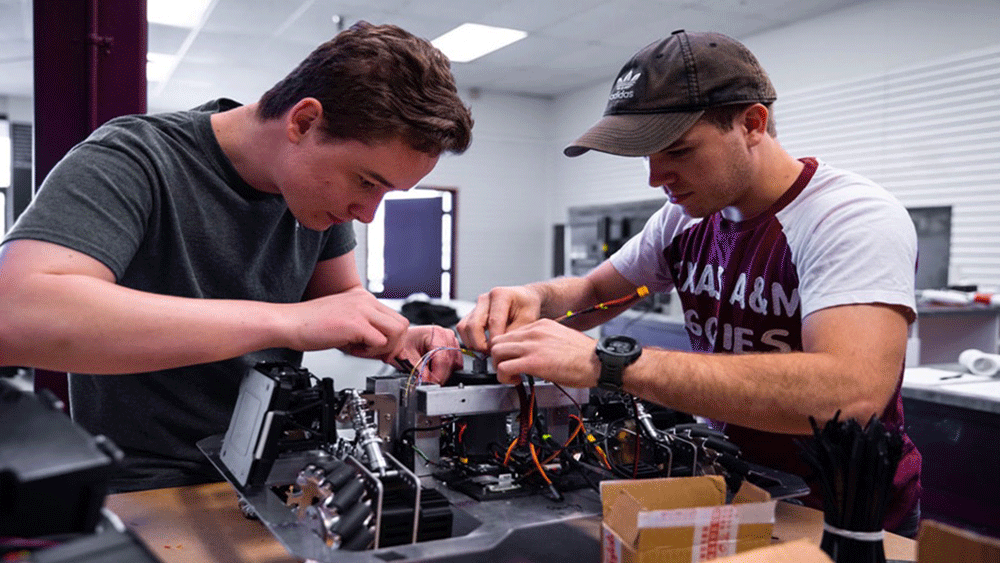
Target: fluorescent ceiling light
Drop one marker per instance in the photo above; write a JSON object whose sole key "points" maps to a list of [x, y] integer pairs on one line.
{"points": [[471, 40], [178, 13], [159, 66]]}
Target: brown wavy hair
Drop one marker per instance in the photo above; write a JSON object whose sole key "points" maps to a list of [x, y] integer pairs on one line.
{"points": [[376, 83]]}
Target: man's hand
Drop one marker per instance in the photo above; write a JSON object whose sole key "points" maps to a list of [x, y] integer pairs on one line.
{"points": [[353, 321], [548, 350], [501, 310], [422, 340]]}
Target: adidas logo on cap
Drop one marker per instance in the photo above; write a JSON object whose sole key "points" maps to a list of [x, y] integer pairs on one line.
{"points": [[623, 86]]}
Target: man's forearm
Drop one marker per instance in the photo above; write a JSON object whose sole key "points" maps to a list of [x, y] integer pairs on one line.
{"points": [[573, 294], [775, 392], [560, 295], [82, 324]]}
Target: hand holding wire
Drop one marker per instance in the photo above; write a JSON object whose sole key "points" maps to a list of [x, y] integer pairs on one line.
{"points": [[501, 310], [421, 341], [550, 350]]}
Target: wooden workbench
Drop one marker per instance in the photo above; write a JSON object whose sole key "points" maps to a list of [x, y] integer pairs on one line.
{"points": [[203, 524]]}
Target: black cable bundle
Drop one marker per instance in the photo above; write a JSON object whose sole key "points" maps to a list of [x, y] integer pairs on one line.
{"points": [[855, 467]]}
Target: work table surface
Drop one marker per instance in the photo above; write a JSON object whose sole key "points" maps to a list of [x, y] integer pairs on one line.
{"points": [[952, 384], [203, 524]]}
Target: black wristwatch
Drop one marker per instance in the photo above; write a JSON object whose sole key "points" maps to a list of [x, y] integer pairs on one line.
{"points": [[615, 353]]}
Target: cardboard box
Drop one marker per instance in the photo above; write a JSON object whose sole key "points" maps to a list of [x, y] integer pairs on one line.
{"points": [[941, 543], [798, 551], [681, 519]]}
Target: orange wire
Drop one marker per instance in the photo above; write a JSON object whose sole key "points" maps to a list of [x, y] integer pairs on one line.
{"points": [[531, 421], [538, 464], [604, 456], [510, 448], [568, 441], [639, 293]]}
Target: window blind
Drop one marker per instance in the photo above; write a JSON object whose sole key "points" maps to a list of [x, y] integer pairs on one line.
{"points": [[929, 133]]}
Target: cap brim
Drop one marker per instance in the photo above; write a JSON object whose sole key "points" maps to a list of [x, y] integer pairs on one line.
{"points": [[634, 134]]}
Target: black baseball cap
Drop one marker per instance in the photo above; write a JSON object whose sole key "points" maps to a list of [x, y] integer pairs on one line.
{"points": [[667, 86]]}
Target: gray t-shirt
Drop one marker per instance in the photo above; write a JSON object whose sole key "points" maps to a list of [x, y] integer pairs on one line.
{"points": [[156, 200]]}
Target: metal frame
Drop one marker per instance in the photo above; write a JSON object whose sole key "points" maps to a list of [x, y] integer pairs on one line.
{"points": [[482, 531]]}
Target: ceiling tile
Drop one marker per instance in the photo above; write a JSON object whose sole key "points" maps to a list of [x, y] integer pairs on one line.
{"points": [[257, 17], [166, 39], [532, 15], [244, 46]]}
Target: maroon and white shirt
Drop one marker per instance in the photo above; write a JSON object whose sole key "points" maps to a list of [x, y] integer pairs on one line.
{"points": [[834, 238]]}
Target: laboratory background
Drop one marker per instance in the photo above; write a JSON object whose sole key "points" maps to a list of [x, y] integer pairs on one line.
{"points": [[903, 92]]}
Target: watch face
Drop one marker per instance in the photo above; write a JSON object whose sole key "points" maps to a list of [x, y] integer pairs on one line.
{"points": [[618, 345], [615, 353]]}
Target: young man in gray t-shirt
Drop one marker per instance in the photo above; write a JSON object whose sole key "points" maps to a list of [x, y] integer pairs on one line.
{"points": [[182, 248]]}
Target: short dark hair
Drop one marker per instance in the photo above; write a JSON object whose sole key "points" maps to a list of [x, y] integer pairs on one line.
{"points": [[724, 117], [376, 83]]}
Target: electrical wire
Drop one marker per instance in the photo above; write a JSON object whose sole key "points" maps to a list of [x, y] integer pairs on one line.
{"points": [[414, 429], [416, 376], [576, 403], [426, 459], [579, 428], [528, 420], [510, 450], [538, 464], [590, 440], [526, 425], [639, 293]]}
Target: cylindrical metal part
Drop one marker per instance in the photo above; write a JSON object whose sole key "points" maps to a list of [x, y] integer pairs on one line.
{"points": [[352, 520], [359, 541], [646, 420], [340, 475], [348, 495], [722, 446], [367, 434]]}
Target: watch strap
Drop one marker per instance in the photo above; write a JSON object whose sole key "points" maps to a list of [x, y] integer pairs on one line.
{"points": [[610, 377]]}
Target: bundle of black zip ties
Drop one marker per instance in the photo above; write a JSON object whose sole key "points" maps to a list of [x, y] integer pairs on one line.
{"points": [[855, 467]]}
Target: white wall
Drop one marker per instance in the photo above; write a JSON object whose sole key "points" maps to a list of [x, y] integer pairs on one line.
{"points": [[860, 41], [592, 178], [514, 183], [17, 108], [504, 183], [918, 112], [874, 37]]}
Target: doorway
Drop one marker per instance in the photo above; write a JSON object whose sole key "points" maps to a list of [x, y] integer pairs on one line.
{"points": [[411, 244]]}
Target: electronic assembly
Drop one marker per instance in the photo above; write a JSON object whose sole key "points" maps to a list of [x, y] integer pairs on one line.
{"points": [[403, 470]]}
